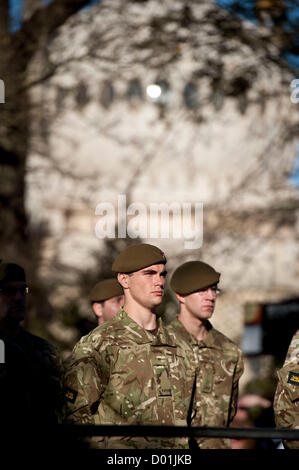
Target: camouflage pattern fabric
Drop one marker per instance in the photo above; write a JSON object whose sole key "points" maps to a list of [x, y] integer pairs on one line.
{"points": [[219, 366], [121, 374], [286, 400], [31, 381]]}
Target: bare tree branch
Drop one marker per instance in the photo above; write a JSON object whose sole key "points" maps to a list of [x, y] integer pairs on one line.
{"points": [[46, 20], [4, 17]]}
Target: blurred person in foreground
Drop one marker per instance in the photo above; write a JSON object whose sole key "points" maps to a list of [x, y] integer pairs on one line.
{"points": [[217, 360], [286, 400], [106, 298], [127, 370], [254, 411], [32, 373]]}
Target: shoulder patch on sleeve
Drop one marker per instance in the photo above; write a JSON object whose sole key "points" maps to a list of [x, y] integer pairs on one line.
{"points": [[71, 395], [293, 378]]}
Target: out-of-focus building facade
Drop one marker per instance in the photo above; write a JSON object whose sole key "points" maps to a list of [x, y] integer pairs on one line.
{"points": [[174, 103]]}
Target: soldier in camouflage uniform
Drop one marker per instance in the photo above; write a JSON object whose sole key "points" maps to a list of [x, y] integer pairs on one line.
{"points": [[128, 371], [286, 400], [218, 361], [32, 373]]}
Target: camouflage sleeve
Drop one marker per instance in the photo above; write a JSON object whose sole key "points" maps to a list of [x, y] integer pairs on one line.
{"points": [[83, 386], [235, 387], [286, 399]]}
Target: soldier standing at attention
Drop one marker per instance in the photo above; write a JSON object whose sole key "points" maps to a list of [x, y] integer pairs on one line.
{"points": [[218, 360], [127, 371], [106, 298], [32, 373], [286, 399]]}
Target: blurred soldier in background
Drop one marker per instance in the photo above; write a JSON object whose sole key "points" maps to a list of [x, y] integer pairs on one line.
{"points": [[32, 373], [254, 410], [218, 360], [126, 371], [106, 298], [286, 400]]}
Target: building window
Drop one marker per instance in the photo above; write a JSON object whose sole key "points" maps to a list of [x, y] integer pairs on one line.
{"points": [[81, 95], [190, 95], [61, 95], [107, 95], [217, 98], [159, 92], [134, 91]]}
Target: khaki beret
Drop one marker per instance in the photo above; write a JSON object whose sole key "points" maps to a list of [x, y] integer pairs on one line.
{"points": [[192, 276], [105, 290], [11, 272], [137, 257]]}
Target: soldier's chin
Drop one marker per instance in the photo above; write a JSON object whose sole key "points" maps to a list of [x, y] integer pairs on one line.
{"points": [[156, 302], [17, 315]]}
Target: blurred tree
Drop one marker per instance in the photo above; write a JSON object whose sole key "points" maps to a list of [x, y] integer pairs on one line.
{"points": [[25, 28], [159, 44], [281, 17], [18, 48], [40, 21]]}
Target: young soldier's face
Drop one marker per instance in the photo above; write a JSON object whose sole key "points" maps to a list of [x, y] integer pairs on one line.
{"points": [[112, 306], [146, 286], [201, 304], [108, 309]]}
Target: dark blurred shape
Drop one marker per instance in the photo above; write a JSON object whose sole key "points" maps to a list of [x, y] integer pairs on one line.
{"points": [[280, 322], [81, 95], [134, 91], [107, 95], [254, 411], [191, 95], [269, 327], [31, 374]]}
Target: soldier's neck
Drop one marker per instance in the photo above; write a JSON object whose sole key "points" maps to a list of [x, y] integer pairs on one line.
{"points": [[144, 317], [194, 326]]}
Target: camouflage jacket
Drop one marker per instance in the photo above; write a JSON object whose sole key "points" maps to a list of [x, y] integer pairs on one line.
{"points": [[30, 380], [219, 366], [121, 374], [286, 400]]}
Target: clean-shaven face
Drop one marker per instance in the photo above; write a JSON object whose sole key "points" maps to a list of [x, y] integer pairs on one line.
{"points": [[201, 304], [112, 306], [146, 286]]}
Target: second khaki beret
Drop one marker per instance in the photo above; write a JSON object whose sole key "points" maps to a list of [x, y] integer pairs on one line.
{"points": [[137, 257], [192, 276], [105, 290]]}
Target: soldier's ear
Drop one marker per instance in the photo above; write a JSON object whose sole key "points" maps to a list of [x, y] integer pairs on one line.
{"points": [[181, 298], [123, 280], [97, 308]]}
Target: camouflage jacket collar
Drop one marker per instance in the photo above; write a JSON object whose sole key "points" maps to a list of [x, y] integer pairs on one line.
{"points": [[183, 333], [142, 336], [212, 339]]}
